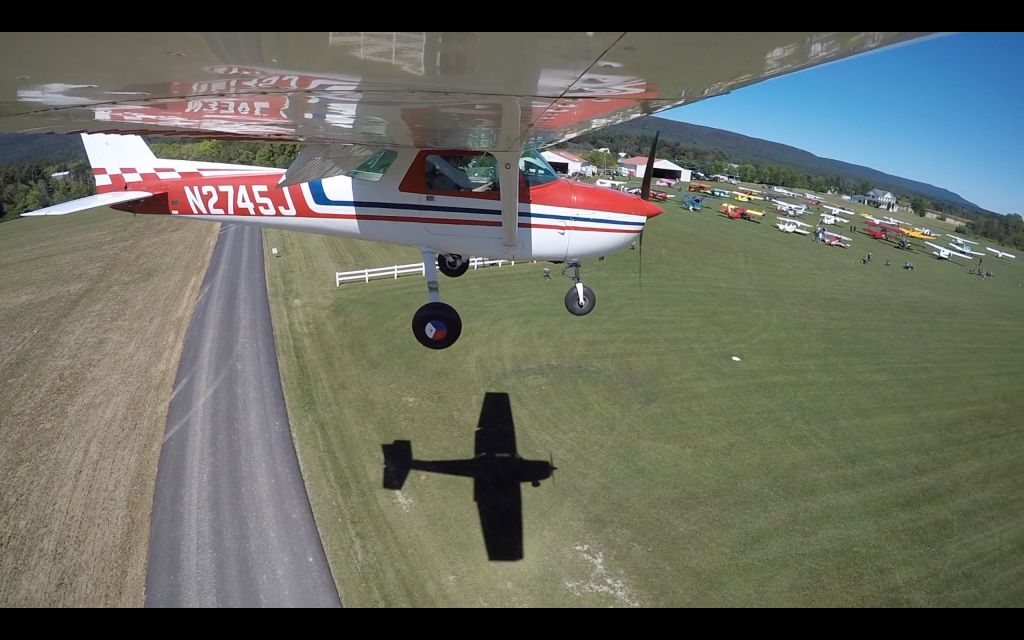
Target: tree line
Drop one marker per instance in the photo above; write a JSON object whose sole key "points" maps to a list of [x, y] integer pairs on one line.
{"points": [[33, 186]]}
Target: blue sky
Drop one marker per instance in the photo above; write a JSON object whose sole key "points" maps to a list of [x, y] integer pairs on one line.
{"points": [[948, 111]]}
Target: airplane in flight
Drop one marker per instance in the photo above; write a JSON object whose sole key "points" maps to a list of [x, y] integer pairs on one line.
{"points": [[1001, 254], [427, 139], [497, 470], [944, 253]]}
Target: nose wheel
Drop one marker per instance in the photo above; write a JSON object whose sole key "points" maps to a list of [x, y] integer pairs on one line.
{"points": [[580, 299], [452, 264]]}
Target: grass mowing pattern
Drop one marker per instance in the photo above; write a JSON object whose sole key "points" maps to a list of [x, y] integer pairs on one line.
{"points": [[867, 450]]}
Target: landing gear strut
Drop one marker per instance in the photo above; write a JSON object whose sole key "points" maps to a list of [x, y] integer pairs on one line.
{"points": [[580, 298], [452, 264], [436, 325]]}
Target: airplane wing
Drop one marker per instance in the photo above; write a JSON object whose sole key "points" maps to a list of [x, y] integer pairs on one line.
{"points": [[1001, 253], [90, 202], [478, 91], [495, 430]]}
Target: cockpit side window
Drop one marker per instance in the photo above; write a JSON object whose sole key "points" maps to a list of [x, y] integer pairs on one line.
{"points": [[461, 172], [374, 167]]}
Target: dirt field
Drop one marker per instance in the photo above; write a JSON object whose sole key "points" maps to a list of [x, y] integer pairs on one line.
{"points": [[93, 311]]}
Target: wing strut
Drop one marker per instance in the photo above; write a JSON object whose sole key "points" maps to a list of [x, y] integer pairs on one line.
{"points": [[508, 176]]}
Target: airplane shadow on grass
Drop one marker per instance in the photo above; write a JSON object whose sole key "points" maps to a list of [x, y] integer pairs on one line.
{"points": [[497, 471]]}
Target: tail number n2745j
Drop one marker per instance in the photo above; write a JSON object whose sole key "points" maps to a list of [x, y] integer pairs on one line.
{"points": [[229, 199]]}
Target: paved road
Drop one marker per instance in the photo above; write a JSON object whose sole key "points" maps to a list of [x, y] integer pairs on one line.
{"points": [[232, 526]]}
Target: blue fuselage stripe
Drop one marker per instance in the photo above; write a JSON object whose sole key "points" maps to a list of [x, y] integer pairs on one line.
{"points": [[321, 198]]}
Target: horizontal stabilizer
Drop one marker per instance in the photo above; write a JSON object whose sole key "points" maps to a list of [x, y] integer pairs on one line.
{"points": [[90, 202], [397, 462]]}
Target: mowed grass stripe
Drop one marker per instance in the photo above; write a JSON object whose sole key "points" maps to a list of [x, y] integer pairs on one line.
{"points": [[865, 451], [93, 310]]}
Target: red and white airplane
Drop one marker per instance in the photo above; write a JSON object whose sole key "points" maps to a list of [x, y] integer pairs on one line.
{"points": [[837, 240], [424, 139]]}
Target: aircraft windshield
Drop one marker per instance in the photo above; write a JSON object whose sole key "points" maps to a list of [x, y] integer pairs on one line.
{"points": [[536, 169]]}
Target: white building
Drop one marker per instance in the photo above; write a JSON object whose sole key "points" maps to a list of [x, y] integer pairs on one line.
{"points": [[637, 166], [564, 162], [881, 199]]}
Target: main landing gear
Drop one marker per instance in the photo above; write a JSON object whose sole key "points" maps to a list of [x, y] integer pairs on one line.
{"points": [[580, 298], [437, 325]]}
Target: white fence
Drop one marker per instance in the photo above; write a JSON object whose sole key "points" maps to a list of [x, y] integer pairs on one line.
{"points": [[365, 275]]}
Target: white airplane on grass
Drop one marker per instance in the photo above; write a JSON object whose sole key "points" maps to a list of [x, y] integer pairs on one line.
{"points": [[963, 246], [426, 139], [792, 226], [838, 211], [944, 253], [960, 240], [893, 221], [829, 218], [791, 209], [1001, 254]]}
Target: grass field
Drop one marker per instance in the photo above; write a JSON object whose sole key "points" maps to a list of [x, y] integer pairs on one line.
{"points": [[93, 311], [867, 450]]}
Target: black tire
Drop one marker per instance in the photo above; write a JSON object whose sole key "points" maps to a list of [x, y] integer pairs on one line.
{"points": [[572, 301], [436, 325], [452, 264]]}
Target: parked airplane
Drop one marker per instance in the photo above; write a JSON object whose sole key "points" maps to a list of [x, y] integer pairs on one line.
{"points": [[893, 221], [838, 211], [837, 240], [425, 138], [944, 253], [790, 209], [736, 213], [963, 246], [1001, 254], [792, 226], [919, 234], [829, 218]]}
